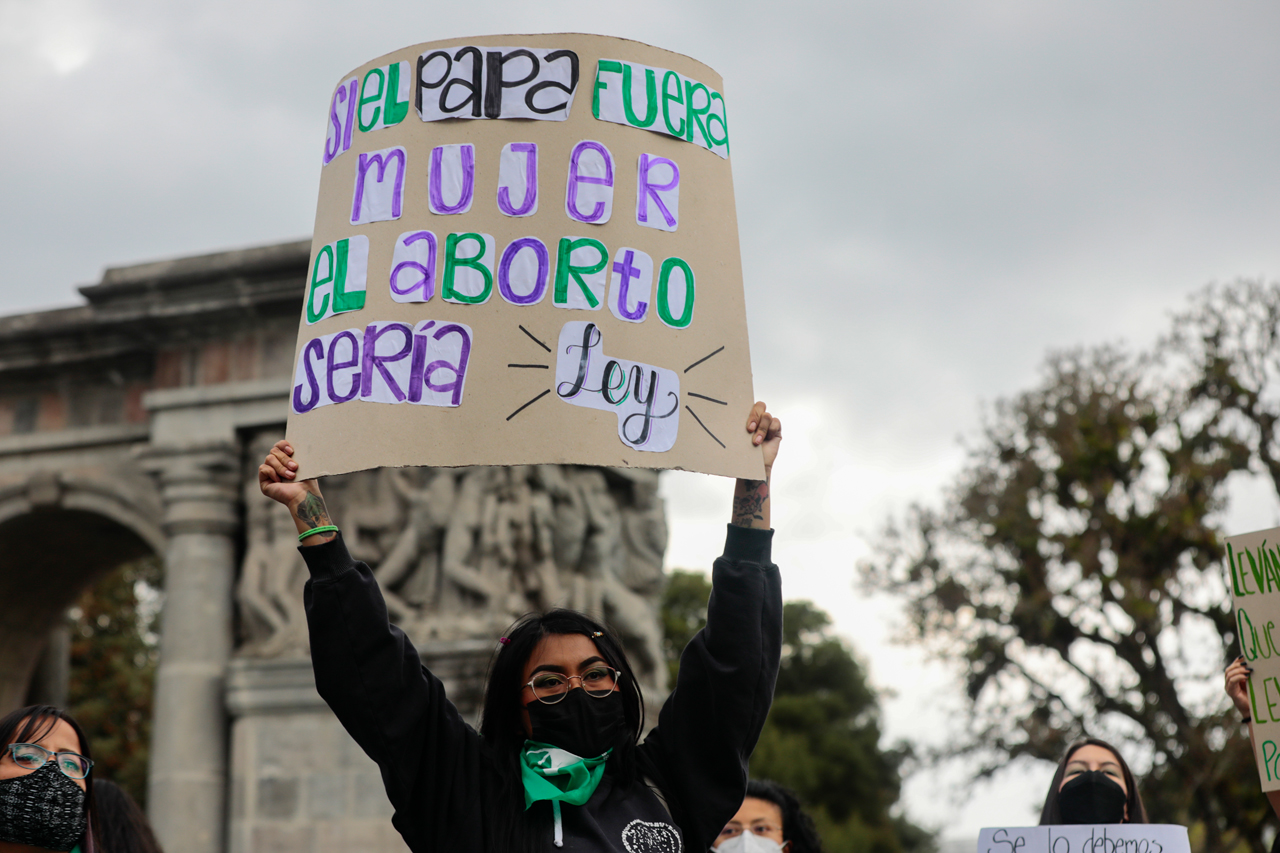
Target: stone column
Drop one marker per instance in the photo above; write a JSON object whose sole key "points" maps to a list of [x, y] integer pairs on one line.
{"points": [[188, 772]]}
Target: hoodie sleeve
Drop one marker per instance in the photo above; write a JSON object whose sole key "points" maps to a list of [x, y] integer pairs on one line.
{"points": [[710, 723], [373, 679]]}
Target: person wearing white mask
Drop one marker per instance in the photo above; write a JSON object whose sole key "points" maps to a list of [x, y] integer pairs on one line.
{"points": [[770, 820]]}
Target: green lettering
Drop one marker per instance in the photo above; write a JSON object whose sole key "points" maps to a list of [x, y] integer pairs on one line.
{"points": [[695, 114], [1255, 569], [650, 94], [343, 301], [316, 282], [394, 110], [1268, 757], [604, 65], [366, 98], [1266, 695], [1253, 702], [1235, 581], [452, 262], [565, 269], [664, 298], [668, 100], [723, 118], [1242, 617]]}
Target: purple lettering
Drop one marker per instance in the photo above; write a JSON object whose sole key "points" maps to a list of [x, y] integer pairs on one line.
{"points": [[646, 189], [530, 150], [459, 370], [351, 114], [627, 271], [381, 160], [540, 278], [575, 178], [372, 360], [339, 95], [418, 365], [333, 366], [435, 181], [313, 349], [427, 272]]}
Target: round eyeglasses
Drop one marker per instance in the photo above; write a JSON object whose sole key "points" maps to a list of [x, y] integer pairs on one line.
{"points": [[30, 756], [598, 681]]}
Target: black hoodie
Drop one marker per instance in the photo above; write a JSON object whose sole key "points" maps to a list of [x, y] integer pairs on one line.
{"points": [[442, 778]]}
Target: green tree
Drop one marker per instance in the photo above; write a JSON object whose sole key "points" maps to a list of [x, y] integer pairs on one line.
{"points": [[1074, 569], [822, 738], [113, 663]]}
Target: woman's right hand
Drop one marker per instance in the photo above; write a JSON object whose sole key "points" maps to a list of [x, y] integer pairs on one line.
{"points": [[1237, 685], [277, 473]]}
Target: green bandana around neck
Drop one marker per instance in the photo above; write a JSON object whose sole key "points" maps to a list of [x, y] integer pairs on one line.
{"points": [[551, 773]]}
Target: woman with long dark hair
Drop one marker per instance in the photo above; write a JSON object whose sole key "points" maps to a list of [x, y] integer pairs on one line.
{"points": [[46, 783], [557, 763], [1092, 784]]}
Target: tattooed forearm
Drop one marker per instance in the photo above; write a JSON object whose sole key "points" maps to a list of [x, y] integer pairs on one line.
{"points": [[312, 512], [749, 503]]}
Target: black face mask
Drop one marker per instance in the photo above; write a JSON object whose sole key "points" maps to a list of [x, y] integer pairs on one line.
{"points": [[578, 723], [43, 809], [1092, 797]]}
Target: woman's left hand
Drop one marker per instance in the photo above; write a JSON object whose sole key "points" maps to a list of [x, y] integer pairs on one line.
{"points": [[1237, 686], [768, 432]]}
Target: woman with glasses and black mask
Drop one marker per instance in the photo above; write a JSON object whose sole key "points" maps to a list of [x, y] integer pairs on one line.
{"points": [[46, 785], [557, 763]]}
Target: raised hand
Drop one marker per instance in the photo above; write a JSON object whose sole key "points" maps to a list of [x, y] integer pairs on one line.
{"points": [[768, 432], [1237, 685], [276, 476]]}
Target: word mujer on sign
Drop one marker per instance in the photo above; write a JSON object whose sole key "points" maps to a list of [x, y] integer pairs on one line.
{"points": [[379, 189], [471, 270], [1085, 838]]}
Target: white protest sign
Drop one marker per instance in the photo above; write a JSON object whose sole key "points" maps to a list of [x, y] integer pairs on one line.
{"points": [[1108, 838], [531, 241], [1253, 562]]}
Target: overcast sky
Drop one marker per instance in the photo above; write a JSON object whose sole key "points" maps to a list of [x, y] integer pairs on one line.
{"points": [[930, 195]]}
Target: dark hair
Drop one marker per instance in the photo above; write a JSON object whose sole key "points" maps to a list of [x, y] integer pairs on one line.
{"points": [[797, 827], [34, 722], [1051, 815], [501, 723], [122, 827]]}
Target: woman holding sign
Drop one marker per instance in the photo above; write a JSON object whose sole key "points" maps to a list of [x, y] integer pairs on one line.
{"points": [[557, 762], [1093, 785]]}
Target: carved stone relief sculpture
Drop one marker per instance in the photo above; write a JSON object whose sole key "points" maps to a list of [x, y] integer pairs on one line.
{"points": [[463, 552]]}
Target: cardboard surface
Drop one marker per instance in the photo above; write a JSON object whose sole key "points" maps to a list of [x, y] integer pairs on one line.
{"points": [[1110, 838], [601, 322], [1254, 561]]}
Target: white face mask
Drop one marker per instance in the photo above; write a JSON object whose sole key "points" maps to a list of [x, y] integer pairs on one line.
{"points": [[748, 842]]}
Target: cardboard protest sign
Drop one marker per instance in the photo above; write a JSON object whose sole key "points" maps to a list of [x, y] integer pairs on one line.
{"points": [[1253, 560], [525, 251], [1109, 838]]}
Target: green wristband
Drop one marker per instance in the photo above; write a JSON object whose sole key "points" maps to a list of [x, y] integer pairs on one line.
{"points": [[328, 528]]}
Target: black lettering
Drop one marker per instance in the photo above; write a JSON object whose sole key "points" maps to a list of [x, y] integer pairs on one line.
{"points": [[494, 82], [551, 57], [420, 84], [583, 359], [472, 86], [647, 416]]}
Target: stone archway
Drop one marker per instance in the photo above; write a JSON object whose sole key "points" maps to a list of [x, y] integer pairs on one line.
{"points": [[56, 539]]}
